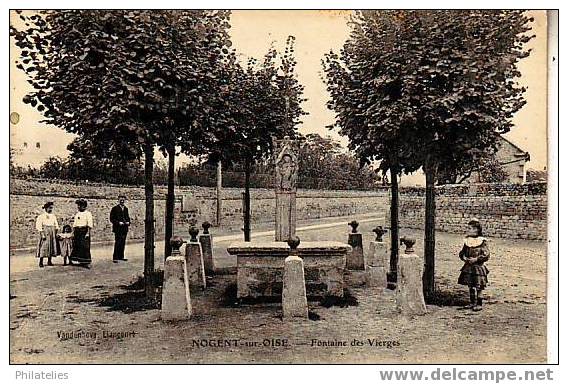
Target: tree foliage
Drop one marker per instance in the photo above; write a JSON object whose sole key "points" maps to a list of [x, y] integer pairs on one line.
{"points": [[125, 77], [129, 78], [534, 175], [428, 89], [323, 163], [94, 161], [262, 100], [434, 85], [86, 168], [484, 168]]}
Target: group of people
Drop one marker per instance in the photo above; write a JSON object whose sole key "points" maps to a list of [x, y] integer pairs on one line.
{"points": [[74, 242]]}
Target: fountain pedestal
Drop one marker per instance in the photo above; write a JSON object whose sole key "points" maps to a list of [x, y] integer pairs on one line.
{"points": [[260, 267]]}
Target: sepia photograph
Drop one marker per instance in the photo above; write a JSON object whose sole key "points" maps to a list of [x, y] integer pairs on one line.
{"points": [[280, 186]]}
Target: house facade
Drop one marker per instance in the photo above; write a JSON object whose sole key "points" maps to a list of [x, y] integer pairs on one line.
{"points": [[512, 159]]}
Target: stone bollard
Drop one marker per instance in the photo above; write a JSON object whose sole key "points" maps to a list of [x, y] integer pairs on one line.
{"points": [[206, 241], [194, 260], [409, 295], [176, 301], [294, 300], [355, 259], [378, 260]]}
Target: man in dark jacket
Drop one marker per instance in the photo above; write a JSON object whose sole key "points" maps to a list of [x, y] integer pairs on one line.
{"points": [[120, 221]]}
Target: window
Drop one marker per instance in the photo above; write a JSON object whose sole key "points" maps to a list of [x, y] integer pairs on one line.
{"points": [[25, 144], [38, 145]]}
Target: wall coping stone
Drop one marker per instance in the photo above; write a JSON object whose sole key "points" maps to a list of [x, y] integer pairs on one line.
{"points": [[278, 249]]}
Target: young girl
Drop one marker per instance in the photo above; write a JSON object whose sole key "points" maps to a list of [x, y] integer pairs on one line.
{"points": [[66, 243], [474, 253]]}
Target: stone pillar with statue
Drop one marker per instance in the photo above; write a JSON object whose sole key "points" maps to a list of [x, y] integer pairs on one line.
{"points": [[316, 269], [286, 172]]}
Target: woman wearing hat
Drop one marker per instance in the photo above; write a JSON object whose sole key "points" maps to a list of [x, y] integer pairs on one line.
{"points": [[47, 226], [82, 224], [474, 254]]}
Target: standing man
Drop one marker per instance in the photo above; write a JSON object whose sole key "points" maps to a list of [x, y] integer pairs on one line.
{"points": [[120, 222]]}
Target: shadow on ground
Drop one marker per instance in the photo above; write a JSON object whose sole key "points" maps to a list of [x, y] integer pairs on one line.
{"points": [[449, 298], [229, 299], [126, 302], [133, 300], [138, 284]]}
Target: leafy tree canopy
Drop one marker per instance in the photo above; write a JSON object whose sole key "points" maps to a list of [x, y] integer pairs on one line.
{"points": [[422, 87], [262, 100], [484, 168], [123, 75]]}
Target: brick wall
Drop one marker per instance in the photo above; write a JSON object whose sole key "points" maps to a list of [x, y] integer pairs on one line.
{"points": [[505, 210], [28, 196]]}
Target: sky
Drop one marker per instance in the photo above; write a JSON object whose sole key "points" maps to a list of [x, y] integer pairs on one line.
{"points": [[316, 32]]}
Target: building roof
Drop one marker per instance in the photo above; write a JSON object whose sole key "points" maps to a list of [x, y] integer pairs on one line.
{"points": [[521, 152], [513, 145]]}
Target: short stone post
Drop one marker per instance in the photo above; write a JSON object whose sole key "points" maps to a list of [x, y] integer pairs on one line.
{"points": [[409, 294], [176, 301], [294, 300], [355, 259], [378, 260], [206, 241], [194, 260]]}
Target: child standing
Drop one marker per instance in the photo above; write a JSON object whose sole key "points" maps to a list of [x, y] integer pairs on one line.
{"points": [[66, 243], [474, 254]]}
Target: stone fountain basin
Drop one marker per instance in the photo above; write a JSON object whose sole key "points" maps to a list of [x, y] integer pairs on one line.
{"points": [[260, 267]]}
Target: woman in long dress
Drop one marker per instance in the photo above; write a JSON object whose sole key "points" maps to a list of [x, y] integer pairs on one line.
{"points": [[47, 226], [82, 224]]}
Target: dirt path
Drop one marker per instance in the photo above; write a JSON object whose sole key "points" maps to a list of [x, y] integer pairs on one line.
{"points": [[89, 306]]}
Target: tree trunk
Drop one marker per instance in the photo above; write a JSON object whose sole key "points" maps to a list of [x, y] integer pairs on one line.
{"points": [[170, 201], [429, 232], [149, 220], [394, 224], [246, 213], [219, 192]]}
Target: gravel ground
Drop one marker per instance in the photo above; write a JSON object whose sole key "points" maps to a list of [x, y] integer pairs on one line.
{"points": [[115, 326]]}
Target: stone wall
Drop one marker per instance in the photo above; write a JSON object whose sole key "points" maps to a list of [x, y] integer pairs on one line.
{"points": [[505, 210], [310, 204], [28, 196]]}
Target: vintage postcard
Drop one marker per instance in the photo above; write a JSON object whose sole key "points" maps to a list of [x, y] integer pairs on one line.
{"points": [[293, 186]]}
